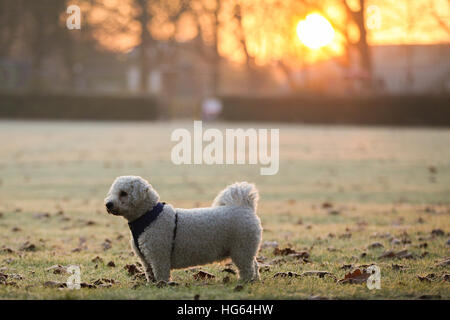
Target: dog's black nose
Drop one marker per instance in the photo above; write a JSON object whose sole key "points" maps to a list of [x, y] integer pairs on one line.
{"points": [[109, 205]]}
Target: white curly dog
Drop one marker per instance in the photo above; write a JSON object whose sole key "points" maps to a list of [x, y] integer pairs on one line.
{"points": [[166, 238]]}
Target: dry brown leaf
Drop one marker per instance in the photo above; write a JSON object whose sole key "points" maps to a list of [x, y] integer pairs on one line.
{"points": [[438, 233], [397, 267], [55, 284], [444, 263], [318, 273], [428, 278], [358, 276], [238, 288], [375, 245], [97, 259], [288, 274], [403, 254], [327, 205], [27, 246], [229, 270], [57, 269], [283, 252], [202, 275]]}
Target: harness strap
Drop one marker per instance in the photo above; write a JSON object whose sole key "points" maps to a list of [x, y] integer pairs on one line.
{"points": [[174, 233], [138, 226]]}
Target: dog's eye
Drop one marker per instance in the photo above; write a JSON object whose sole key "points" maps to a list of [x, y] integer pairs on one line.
{"points": [[123, 194]]}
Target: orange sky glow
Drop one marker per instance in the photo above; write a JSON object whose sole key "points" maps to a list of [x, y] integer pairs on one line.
{"points": [[270, 26]]}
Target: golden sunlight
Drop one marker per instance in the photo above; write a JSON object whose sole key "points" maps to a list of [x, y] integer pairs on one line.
{"points": [[315, 31]]}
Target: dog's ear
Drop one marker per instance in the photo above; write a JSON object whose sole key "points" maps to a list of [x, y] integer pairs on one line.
{"points": [[144, 189]]}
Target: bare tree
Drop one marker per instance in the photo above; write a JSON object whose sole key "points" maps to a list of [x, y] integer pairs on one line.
{"points": [[249, 59]]}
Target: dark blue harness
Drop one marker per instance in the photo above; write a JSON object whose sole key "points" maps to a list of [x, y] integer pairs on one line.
{"points": [[140, 224]]}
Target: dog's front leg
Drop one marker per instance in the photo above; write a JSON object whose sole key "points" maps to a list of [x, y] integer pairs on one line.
{"points": [[147, 266]]}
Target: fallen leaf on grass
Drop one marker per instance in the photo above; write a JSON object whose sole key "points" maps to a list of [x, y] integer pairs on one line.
{"points": [[375, 245], [423, 245], [446, 277], [57, 269], [229, 270], [320, 274], [55, 284], [444, 263], [346, 266], [277, 261], [111, 264], [97, 259], [238, 288], [7, 250], [132, 269], [346, 235], [438, 232], [201, 275], [106, 244], [226, 279], [327, 205], [283, 252], [397, 267], [403, 254], [288, 274], [27, 246], [358, 276], [16, 229], [428, 278], [41, 215], [87, 285], [300, 255], [264, 267], [104, 283]]}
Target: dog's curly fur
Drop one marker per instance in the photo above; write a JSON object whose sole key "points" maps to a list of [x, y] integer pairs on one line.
{"points": [[229, 228]]}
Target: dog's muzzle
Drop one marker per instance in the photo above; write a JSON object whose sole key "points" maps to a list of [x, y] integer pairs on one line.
{"points": [[110, 208]]}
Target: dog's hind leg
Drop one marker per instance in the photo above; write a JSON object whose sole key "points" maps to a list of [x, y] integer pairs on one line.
{"points": [[161, 269], [256, 270]]}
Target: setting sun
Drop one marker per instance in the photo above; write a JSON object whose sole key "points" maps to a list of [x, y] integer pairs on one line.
{"points": [[315, 31]]}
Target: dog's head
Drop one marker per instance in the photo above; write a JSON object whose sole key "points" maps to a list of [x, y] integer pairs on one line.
{"points": [[130, 197]]}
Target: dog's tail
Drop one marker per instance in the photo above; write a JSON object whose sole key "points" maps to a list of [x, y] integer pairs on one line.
{"points": [[238, 194]]}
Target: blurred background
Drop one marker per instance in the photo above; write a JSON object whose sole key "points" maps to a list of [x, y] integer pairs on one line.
{"points": [[376, 61]]}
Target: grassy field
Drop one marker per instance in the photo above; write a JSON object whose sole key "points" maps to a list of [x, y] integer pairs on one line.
{"points": [[339, 190]]}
